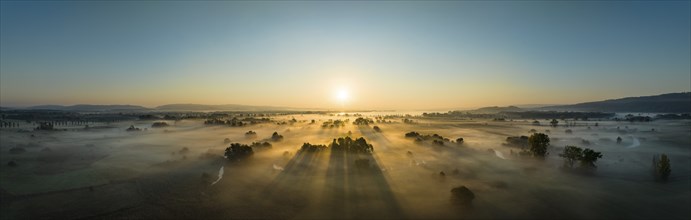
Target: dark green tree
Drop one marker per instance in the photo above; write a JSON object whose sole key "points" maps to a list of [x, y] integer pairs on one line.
{"points": [[462, 195], [663, 168], [238, 151], [589, 157], [571, 154], [538, 144], [554, 122]]}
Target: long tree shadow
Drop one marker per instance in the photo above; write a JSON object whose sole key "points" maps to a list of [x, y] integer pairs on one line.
{"points": [[357, 190], [290, 189]]}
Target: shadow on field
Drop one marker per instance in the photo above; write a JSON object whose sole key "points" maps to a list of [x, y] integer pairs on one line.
{"points": [[357, 191]]}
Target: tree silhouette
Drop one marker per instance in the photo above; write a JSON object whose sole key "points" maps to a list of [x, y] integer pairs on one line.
{"points": [[554, 122], [662, 167], [238, 151], [538, 144], [462, 195], [571, 154], [589, 157], [276, 137]]}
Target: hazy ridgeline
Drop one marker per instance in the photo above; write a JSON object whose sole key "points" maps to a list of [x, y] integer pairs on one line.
{"points": [[108, 172]]}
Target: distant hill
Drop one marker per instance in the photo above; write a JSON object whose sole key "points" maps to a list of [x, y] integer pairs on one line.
{"points": [[496, 109], [665, 103], [228, 107], [89, 108]]}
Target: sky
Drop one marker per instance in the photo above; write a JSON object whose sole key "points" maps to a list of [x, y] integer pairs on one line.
{"points": [[348, 55]]}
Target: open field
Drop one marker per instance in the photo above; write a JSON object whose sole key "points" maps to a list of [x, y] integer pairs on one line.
{"points": [[107, 172]]}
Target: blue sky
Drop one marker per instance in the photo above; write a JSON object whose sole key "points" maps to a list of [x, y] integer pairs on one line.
{"points": [[386, 55]]}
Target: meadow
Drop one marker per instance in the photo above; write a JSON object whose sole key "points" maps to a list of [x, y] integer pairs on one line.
{"points": [[173, 172]]}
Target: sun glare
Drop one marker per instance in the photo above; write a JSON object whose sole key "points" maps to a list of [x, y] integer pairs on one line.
{"points": [[342, 95]]}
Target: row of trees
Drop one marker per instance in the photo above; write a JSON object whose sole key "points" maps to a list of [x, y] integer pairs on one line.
{"points": [[587, 157], [159, 124], [234, 122], [435, 138], [363, 121], [347, 144], [4, 124], [238, 151], [334, 123], [307, 147]]}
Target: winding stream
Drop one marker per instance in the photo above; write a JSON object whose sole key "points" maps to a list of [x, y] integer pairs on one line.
{"points": [[220, 175]]}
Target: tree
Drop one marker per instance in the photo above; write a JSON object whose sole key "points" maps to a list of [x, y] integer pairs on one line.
{"points": [[276, 137], [571, 154], [412, 134], [538, 144], [462, 195], [554, 122], [662, 167], [238, 151], [589, 157], [159, 124]]}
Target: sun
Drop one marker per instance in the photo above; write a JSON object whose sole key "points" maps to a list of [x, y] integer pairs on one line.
{"points": [[342, 95]]}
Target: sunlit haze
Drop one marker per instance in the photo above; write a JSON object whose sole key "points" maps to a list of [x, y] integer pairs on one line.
{"points": [[345, 110]]}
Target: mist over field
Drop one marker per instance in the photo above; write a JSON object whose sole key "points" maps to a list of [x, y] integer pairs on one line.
{"points": [[345, 110], [106, 171]]}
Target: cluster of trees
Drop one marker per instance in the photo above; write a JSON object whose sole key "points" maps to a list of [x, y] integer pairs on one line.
{"points": [[238, 151], [253, 120], [412, 134], [462, 195], [7, 124], [148, 117], [250, 134], [587, 157], [517, 141], [661, 167], [276, 137], [45, 126], [132, 128], [334, 123], [159, 124], [673, 116], [635, 118], [363, 121], [554, 123], [307, 147], [234, 122], [408, 121], [538, 144], [347, 144], [435, 138]]}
